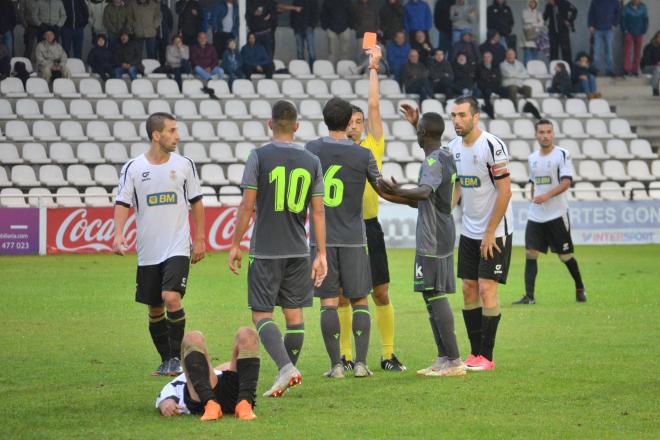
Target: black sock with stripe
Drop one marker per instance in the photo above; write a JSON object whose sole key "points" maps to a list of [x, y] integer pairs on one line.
{"points": [[160, 335], [293, 341], [176, 326]]}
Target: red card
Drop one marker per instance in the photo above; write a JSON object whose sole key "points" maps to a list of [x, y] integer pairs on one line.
{"points": [[369, 40]]}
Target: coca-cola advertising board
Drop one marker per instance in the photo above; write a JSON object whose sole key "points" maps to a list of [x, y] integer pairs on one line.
{"points": [[91, 230]]}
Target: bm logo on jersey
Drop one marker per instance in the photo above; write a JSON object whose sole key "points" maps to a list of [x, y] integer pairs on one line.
{"points": [[542, 180], [164, 198], [470, 181]]}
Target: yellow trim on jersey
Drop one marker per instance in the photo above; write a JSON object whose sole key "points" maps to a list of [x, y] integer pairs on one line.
{"points": [[370, 200]]}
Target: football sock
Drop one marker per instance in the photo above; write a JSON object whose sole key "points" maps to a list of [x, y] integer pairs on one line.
{"points": [[531, 269], [346, 327], [330, 331], [197, 372], [472, 318], [176, 326], [293, 340], [385, 322], [490, 320], [444, 322], [271, 339], [247, 366], [361, 332], [160, 335], [573, 268], [436, 333]]}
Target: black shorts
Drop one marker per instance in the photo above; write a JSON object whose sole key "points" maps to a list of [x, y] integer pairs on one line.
{"points": [[434, 274], [555, 234], [471, 266], [169, 276], [348, 269], [226, 393], [284, 282], [380, 270]]}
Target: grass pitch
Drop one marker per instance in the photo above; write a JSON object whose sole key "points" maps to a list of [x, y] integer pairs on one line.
{"points": [[76, 357]]}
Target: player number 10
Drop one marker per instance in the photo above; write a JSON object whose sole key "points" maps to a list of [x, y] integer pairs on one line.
{"points": [[299, 181]]}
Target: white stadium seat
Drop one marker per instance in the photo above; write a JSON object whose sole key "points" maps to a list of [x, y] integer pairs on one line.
{"points": [[636, 191], [235, 173], [108, 109], [184, 135], [133, 109], [412, 171], [35, 153], [45, 131], [62, 153], [18, 131], [573, 128], [23, 175], [398, 152], [114, 152], [586, 191], [390, 89], [229, 131], [322, 129], [260, 109], [501, 129], [577, 108], [300, 69], [243, 150], [124, 131], [642, 149], [220, 88], [106, 175], [243, 88], [168, 88], [76, 68], [221, 152], [192, 88], [519, 149], [518, 172], [27, 108], [160, 106], [69, 198], [614, 169], [538, 69], [209, 198], [236, 109], [73, 130], [91, 88], [293, 88], [12, 87], [97, 196], [504, 108], [38, 87], [618, 149], [9, 155], [639, 170], [211, 109], [4, 179], [138, 148], [41, 197], [310, 109], [185, 109], [553, 108], [524, 128], [593, 149], [318, 89], [230, 195], [55, 109], [79, 175], [404, 131], [601, 108], [6, 112], [65, 88], [341, 87], [268, 88], [611, 191], [203, 131], [51, 175], [306, 131], [597, 128], [432, 105], [347, 69], [117, 88], [655, 168], [554, 63], [149, 66], [654, 190], [81, 109], [324, 69], [254, 131], [15, 201], [590, 170], [538, 91], [196, 152], [393, 169]]}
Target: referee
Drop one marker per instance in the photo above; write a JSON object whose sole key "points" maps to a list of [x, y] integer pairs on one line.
{"points": [[548, 225]]}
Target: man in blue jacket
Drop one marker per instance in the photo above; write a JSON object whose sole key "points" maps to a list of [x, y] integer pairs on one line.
{"points": [[255, 59], [417, 17], [604, 16], [228, 30], [634, 24], [397, 54]]}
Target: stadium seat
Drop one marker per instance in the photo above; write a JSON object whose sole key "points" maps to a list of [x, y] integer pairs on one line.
{"points": [[310, 109], [65, 88], [97, 196], [26, 61], [389, 89], [398, 152], [124, 131], [149, 66], [590, 170], [404, 131], [160, 106], [306, 132], [450, 132], [387, 110], [210, 109], [51, 175], [76, 68], [12, 198], [9, 155], [12, 87], [324, 69], [41, 197], [184, 134], [586, 191], [519, 149], [521, 105], [55, 109], [611, 191], [501, 129], [554, 63], [260, 109], [28, 109], [268, 88], [393, 169], [213, 174], [38, 88], [504, 108], [538, 69], [318, 89], [117, 88], [91, 88], [230, 195], [6, 112], [254, 131], [106, 175], [23, 175], [601, 108], [79, 175], [597, 128], [577, 108], [138, 148], [209, 198], [518, 172], [416, 152], [300, 69], [293, 89], [617, 149], [524, 128], [168, 88], [68, 197], [192, 88], [183, 109], [412, 171], [114, 152], [203, 131], [639, 170], [235, 173], [322, 129], [614, 169], [243, 150], [108, 109], [553, 107], [655, 168], [18, 131], [517, 193], [229, 131], [538, 91], [62, 153], [593, 149], [341, 87], [654, 190], [35, 153], [573, 128], [635, 191], [236, 109], [221, 152], [642, 149], [45, 131], [73, 131], [244, 88], [220, 88], [4, 179], [433, 105], [133, 109], [347, 69], [81, 109], [361, 103], [196, 152]]}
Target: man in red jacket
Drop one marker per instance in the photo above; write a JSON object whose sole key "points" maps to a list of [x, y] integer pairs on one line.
{"points": [[204, 58]]}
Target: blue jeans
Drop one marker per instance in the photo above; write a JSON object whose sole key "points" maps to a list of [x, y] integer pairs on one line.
{"points": [[588, 85], [531, 53], [206, 76], [150, 43], [456, 34], [303, 38], [8, 40], [603, 41], [131, 71], [73, 37]]}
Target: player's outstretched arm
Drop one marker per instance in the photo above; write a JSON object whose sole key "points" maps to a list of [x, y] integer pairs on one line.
{"points": [[199, 228], [320, 264], [245, 211], [119, 243], [501, 203], [375, 122], [393, 188]]}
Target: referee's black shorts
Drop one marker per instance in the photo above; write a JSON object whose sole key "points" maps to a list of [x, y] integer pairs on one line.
{"points": [[555, 234], [380, 270]]}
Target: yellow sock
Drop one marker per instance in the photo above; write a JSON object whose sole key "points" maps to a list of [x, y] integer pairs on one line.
{"points": [[385, 321], [346, 329]]}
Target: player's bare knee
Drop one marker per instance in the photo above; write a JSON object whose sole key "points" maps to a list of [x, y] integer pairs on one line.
{"points": [[172, 301], [565, 257], [247, 339], [470, 291], [293, 316], [156, 310], [380, 295], [343, 301], [532, 254], [194, 337]]}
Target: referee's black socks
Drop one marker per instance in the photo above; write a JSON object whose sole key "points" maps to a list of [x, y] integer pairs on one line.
{"points": [[160, 335], [531, 269], [573, 268], [197, 372], [176, 325]]}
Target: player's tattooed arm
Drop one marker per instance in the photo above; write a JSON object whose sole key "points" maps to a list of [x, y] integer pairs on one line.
{"points": [[245, 211]]}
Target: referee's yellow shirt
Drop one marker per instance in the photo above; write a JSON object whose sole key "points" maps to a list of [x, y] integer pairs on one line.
{"points": [[370, 200]]}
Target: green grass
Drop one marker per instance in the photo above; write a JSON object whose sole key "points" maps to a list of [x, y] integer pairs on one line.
{"points": [[76, 357]]}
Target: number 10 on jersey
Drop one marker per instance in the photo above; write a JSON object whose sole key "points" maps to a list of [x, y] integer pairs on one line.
{"points": [[298, 187]]}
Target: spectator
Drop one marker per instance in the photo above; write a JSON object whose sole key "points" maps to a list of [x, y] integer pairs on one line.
{"points": [[73, 31], [144, 19], [255, 59], [634, 24], [440, 73], [561, 81], [115, 20], [415, 77], [442, 21], [397, 54], [211, 12], [261, 17], [489, 81], [7, 25], [204, 59], [229, 20], [190, 20], [493, 45], [5, 61], [560, 15], [231, 62], [27, 10], [500, 18], [20, 71], [127, 56], [164, 31], [462, 17], [391, 19], [178, 59], [51, 58], [532, 27], [303, 22], [464, 76], [336, 20], [651, 61], [365, 18], [604, 16], [49, 16], [417, 17], [584, 76], [100, 59], [422, 46], [96, 9], [468, 47], [514, 75]]}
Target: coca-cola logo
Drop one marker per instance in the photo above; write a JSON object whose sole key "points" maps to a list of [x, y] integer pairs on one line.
{"points": [[79, 233], [222, 230]]}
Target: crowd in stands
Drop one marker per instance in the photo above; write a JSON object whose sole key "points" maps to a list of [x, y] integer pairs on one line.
{"points": [[124, 32]]}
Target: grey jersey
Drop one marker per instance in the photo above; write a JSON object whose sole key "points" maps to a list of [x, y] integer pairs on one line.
{"points": [[346, 167], [436, 232], [285, 177]]}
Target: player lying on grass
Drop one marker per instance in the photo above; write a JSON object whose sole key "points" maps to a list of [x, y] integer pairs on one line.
{"points": [[230, 387], [435, 237]]}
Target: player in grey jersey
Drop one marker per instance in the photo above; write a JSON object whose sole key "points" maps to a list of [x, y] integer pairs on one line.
{"points": [[435, 237]]}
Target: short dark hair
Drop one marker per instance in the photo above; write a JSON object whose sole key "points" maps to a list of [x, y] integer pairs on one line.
{"points": [[543, 122], [337, 114], [156, 122], [284, 116], [433, 126], [356, 109], [474, 104]]}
